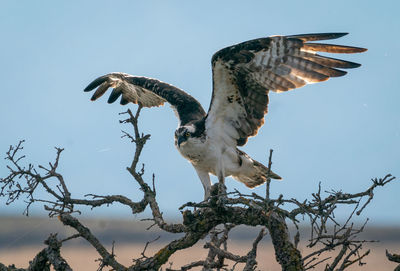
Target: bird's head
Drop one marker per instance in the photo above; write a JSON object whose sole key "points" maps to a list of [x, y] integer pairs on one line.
{"points": [[183, 134]]}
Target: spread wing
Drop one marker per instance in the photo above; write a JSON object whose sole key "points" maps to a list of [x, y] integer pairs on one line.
{"points": [[148, 93], [243, 75]]}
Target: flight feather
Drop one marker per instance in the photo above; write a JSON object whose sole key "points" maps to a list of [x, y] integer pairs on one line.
{"points": [[147, 92], [243, 75]]}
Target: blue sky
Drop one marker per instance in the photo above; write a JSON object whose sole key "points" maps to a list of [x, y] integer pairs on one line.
{"points": [[341, 132]]}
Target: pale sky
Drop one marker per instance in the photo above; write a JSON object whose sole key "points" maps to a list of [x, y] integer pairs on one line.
{"points": [[341, 133]]}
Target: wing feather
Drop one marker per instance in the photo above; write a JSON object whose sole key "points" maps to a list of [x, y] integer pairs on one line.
{"points": [[318, 36], [148, 93], [124, 101], [99, 91], [309, 65], [271, 80], [309, 76], [115, 93], [243, 75], [330, 62], [331, 48]]}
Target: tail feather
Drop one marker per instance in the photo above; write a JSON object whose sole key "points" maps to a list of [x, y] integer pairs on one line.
{"points": [[258, 176]]}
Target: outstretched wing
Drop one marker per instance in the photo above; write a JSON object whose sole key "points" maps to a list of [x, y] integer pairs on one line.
{"points": [[148, 93], [243, 75]]}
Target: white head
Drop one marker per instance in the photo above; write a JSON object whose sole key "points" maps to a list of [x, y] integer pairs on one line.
{"points": [[183, 134]]}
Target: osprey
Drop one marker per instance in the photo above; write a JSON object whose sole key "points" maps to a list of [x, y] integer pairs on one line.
{"points": [[243, 75]]}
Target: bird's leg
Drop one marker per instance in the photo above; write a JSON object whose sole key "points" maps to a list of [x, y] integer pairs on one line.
{"points": [[221, 183], [221, 177], [205, 181], [221, 189], [221, 174]]}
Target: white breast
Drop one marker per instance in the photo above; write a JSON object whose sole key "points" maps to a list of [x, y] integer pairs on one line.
{"points": [[209, 154], [199, 152]]}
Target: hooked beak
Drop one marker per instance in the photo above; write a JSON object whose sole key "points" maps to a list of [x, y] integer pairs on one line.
{"points": [[180, 140]]}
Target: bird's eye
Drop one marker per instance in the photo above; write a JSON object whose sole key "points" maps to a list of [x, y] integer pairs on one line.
{"points": [[187, 134]]}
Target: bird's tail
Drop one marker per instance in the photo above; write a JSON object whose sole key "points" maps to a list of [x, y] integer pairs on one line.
{"points": [[257, 176]]}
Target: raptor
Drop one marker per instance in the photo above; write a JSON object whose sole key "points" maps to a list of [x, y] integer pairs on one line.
{"points": [[243, 75]]}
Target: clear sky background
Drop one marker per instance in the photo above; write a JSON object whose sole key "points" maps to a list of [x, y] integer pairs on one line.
{"points": [[341, 133]]}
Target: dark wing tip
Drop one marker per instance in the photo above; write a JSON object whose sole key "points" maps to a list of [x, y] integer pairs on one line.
{"points": [[95, 83], [349, 65], [318, 36], [333, 62], [114, 96], [338, 73], [89, 88], [123, 101]]}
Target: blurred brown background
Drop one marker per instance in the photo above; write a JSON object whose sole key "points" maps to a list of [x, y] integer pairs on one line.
{"points": [[21, 238]]}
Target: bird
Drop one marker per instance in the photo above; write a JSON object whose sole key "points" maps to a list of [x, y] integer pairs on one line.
{"points": [[242, 77]]}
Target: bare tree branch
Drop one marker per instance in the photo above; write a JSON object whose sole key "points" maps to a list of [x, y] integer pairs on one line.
{"points": [[394, 258], [214, 218]]}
